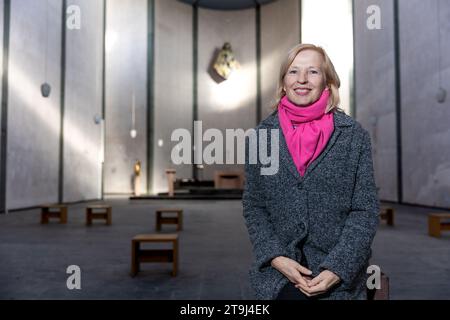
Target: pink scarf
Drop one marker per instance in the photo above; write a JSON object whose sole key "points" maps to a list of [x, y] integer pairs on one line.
{"points": [[306, 129]]}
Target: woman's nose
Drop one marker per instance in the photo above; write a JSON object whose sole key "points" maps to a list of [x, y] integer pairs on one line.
{"points": [[302, 77]]}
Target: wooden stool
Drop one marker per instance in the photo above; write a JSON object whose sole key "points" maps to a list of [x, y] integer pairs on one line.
{"points": [[53, 211], [228, 180], [387, 214], [178, 219], [139, 255], [103, 212], [383, 292], [436, 225]]}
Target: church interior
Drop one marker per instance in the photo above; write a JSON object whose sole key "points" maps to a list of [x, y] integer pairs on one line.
{"points": [[100, 200]]}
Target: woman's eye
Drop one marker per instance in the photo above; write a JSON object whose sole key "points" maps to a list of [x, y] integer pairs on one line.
{"points": [[293, 72], [313, 71]]}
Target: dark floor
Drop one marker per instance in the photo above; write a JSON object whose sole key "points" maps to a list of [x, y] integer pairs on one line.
{"points": [[215, 254]]}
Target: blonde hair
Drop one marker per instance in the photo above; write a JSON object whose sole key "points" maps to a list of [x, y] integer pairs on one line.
{"points": [[331, 78]]}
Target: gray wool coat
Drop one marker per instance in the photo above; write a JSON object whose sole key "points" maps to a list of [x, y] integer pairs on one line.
{"points": [[330, 214]]}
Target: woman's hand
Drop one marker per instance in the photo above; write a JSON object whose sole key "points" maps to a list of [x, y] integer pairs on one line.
{"points": [[292, 270], [320, 284]]}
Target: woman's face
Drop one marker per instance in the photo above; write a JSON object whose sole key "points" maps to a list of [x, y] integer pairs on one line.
{"points": [[304, 81]]}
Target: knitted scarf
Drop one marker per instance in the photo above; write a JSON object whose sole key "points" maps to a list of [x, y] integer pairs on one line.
{"points": [[306, 129]]}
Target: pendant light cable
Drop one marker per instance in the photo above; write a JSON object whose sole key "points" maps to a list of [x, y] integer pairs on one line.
{"points": [[439, 42], [46, 41]]}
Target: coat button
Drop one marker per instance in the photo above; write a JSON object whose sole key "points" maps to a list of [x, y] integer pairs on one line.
{"points": [[302, 227], [300, 186]]}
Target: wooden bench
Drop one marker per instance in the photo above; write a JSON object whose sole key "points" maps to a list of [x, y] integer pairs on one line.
{"points": [[53, 211], [178, 219], [139, 255], [387, 213], [98, 211], [382, 293], [436, 225]]}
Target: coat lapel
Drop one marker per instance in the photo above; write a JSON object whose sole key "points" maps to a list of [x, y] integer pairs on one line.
{"points": [[340, 123], [331, 141], [285, 156]]}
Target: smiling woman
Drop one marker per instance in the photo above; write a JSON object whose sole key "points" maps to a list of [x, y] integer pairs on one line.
{"points": [[313, 222]]}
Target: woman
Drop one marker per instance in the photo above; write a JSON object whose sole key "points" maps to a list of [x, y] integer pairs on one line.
{"points": [[312, 223]]}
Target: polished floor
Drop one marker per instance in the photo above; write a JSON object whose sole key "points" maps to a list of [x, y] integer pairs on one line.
{"points": [[215, 254]]}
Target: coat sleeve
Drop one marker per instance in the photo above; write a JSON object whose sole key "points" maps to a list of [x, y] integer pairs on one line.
{"points": [[352, 252], [265, 242]]}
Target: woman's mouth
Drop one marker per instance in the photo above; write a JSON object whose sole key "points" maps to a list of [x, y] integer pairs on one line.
{"points": [[302, 91]]}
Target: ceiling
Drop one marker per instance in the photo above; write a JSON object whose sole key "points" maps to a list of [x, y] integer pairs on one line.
{"points": [[227, 4]]}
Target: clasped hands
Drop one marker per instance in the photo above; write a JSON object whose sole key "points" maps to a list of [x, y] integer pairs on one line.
{"points": [[301, 276]]}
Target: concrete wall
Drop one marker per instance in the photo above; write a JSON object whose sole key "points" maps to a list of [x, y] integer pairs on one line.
{"points": [[173, 89], [33, 121], [280, 31], [83, 100], [126, 72], [34, 128], [425, 122], [424, 125], [375, 91], [228, 104], [232, 103], [1, 68], [2, 5]]}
